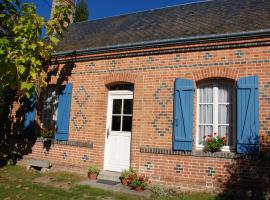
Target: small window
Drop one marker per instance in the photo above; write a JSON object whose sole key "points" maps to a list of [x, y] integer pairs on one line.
{"points": [[215, 112], [122, 115], [49, 113]]}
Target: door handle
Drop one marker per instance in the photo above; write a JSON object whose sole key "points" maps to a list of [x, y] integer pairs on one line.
{"points": [[108, 133]]}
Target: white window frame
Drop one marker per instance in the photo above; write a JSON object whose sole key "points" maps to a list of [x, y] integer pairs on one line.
{"points": [[45, 99], [215, 114]]}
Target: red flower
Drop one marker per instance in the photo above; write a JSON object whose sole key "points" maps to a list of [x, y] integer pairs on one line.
{"points": [[141, 178], [208, 140]]}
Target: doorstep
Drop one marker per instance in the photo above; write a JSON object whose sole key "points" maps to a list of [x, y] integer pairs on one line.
{"points": [[116, 188]]}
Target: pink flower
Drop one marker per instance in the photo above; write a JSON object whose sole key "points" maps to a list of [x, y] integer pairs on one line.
{"points": [[215, 133]]}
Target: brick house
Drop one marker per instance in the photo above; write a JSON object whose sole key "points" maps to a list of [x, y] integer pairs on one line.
{"points": [[142, 90]]}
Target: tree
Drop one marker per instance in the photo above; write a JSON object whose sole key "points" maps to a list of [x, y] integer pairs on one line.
{"points": [[81, 11], [23, 51]]}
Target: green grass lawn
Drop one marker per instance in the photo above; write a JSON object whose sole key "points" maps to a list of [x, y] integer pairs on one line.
{"points": [[16, 183]]}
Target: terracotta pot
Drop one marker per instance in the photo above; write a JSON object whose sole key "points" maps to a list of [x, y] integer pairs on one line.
{"points": [[124, 182], [92, 176], [139, 189]]}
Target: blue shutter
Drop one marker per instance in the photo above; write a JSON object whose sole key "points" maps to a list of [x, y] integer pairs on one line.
{"points": [[183, 114], [247, 115], [30, 115], [63, 114]]}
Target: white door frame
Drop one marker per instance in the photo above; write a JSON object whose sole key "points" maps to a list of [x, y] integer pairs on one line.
{"points": [[121, 94]]}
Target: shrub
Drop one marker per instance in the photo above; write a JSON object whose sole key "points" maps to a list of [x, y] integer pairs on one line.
{"points": [[160, 191]]}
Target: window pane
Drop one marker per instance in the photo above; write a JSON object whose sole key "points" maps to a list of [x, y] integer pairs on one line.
{"points": [[204, 131], [206, 114], [117, 106], [127, 123], [206, 94], [129, 87], [49, 113], [128, 106], [224, 94], [226, 131], [116, 123], [225, 114]]}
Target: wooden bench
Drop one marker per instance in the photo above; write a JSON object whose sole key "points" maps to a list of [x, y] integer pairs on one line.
{"points": [[43, 165]]}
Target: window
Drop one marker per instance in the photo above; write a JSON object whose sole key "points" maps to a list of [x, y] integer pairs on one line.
{"points": [[49, 113], [215, 112], [122, 115]]}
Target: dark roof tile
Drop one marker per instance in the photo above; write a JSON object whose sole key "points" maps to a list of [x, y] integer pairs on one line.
{"points": [[203, 18]]}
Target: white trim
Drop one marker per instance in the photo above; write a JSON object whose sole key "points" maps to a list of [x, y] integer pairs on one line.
{"points": [[121, 92], [116, 94], [215, 114]]}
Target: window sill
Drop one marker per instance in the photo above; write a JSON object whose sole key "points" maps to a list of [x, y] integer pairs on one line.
{"points": [[69, 142], [196, 153], [226, 149]]}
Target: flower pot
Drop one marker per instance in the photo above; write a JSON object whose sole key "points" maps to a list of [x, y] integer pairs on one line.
{"points": [[124, 182], [92, 176], [138, 189]]}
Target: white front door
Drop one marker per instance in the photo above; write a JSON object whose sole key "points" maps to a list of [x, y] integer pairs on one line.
{"points": [[118, 132]]}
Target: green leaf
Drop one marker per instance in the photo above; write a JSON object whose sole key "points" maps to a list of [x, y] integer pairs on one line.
{"points": [[54, 40]]}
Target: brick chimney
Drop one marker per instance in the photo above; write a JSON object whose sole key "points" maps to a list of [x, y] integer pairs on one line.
{"points": [[65, 2]]}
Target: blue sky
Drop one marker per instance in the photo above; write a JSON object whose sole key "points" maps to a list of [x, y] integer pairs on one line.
{"points": [[105, 8]]}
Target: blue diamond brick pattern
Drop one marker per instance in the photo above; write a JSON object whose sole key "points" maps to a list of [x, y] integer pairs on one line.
{"points": [[177, 58], [207, 56], [178, 169], [85, 158], [210, 171], [148, 166], [81, 92], [79, 124], [239, 53], [157, 95], [64, 155], [163, 115], [156, 123]]}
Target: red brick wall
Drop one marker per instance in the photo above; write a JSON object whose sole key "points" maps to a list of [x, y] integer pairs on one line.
{"points": [[153, 77]]}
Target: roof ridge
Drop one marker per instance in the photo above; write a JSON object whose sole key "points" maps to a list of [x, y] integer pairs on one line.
{"points": [[148, 10]]}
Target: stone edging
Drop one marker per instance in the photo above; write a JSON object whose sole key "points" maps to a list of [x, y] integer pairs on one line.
{"points": [[69, 142], [225, 155]]}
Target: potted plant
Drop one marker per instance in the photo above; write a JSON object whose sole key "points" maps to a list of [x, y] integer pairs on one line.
{"points": [[93, 171], [126, 176], [214, 143], [138, 183]]}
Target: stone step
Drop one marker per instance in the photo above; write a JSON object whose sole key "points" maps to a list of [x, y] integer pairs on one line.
{"points": [[108, 175]]}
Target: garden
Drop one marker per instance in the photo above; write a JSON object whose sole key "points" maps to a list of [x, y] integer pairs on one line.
{"points": [[16, 183]]}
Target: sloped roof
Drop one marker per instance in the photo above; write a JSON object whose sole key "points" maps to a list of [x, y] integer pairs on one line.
{"points": [[181, 21]]}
